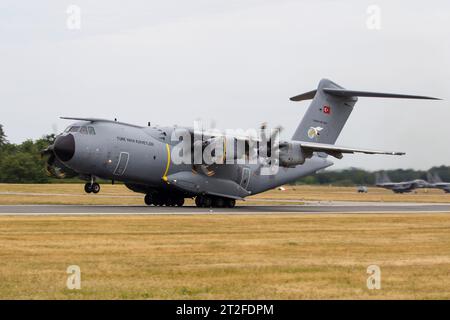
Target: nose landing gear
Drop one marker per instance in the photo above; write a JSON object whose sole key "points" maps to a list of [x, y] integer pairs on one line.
{"points": [[92, 187]]}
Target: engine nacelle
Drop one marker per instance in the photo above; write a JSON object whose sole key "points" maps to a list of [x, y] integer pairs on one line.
{"points": [[221, 149], [291, 154]]}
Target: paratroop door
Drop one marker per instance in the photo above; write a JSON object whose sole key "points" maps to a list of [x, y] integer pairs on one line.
{"points": [[122, 164], [245, 178]]}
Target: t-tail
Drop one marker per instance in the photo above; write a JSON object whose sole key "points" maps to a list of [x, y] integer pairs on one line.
{"points": [[329, 110], [433, 178], [382, 178]]}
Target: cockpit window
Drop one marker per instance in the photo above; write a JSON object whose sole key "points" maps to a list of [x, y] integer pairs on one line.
{"points": [[91, 130], [74, 129], [84, 130]]}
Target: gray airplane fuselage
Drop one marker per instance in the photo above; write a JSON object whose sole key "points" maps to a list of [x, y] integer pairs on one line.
{"points": [[444, 186], [141, 158]]}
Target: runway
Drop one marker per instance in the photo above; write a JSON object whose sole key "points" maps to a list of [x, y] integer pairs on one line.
{"points": [[310, 207]]}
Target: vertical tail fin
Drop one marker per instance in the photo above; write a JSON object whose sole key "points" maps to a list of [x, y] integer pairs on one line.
{"points": [[437, 178], [326, 115], [330, 108], [433, 177], [382, 177]]}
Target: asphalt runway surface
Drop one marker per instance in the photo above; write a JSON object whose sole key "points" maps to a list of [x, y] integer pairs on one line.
{"points": [[310, 207]]}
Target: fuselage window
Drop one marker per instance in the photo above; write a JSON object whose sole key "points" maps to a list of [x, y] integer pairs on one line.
{"points": [[84, 130], [74, 129], [91, 130]]}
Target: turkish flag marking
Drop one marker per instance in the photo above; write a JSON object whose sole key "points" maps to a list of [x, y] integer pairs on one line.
{"points": [[326, 109]]}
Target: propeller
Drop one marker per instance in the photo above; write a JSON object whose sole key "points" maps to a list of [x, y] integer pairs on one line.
{"points": [[267, 145], [54, 167], [198, 139]]}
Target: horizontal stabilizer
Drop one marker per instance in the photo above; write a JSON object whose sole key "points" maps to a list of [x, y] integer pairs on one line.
{"points": [[336, 151], [352, 93], [304, 96]]}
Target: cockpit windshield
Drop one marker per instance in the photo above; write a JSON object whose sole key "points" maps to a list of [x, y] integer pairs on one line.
{"points": [[82, 129], [91, 130], [74, 129]]}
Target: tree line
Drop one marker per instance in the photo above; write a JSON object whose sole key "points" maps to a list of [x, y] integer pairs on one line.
{"points": [[355, 176], [22, 163]]}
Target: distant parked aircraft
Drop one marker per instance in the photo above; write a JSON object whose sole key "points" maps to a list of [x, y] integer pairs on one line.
{"points": [[436, 182], [383, 181]]}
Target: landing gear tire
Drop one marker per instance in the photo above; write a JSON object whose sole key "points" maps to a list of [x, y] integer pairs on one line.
{"points": [[199, 201], [179, 202], [170, 202], [148, 199], [207, 202], [88, 188], [158, 201], [219, 202], [95, 187], [92, 187], [203, 201], [230, 203]]}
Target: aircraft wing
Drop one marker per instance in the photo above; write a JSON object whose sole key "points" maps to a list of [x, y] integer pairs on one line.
{"points": [[99, 120], [219, 134], [336, 151], [403, 187]]}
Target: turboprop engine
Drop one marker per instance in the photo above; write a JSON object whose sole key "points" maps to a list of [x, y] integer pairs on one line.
{"points": [[291, 154]]}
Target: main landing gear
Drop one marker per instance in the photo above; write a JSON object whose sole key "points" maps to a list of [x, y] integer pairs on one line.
{"points": [[163, 200], [93, 187], [202, 201], [215, 202]]}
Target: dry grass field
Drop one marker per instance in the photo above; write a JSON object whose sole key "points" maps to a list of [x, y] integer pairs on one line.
{"points": [[279, 256], [120, 195], [226, 257]]}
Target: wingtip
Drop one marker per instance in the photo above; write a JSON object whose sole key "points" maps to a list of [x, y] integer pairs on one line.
{"points": [[431, 98]]}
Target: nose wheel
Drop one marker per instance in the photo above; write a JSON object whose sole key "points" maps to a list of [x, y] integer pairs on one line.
{"points": [[92, 187]]}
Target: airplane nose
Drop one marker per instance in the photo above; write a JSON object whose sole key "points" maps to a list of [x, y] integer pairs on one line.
{"points": [[65, 147]]}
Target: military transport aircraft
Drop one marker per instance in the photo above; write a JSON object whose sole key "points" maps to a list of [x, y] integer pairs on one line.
{"points": [[147, 158], [436, 182], [383, 181]]}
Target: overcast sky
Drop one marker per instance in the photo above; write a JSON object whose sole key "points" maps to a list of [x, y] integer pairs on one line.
{"points": [[232, 61]]}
